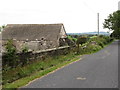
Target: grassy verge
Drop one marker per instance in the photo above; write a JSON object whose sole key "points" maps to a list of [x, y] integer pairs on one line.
{"points": [[25, 80]]}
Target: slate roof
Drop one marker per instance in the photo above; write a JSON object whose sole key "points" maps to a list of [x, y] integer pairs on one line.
{"points": [[31, 31]]}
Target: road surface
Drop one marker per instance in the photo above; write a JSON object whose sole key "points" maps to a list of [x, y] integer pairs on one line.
{"points": [[98, 70]]}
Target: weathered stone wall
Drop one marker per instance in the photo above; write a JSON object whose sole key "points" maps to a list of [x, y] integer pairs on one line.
{"points": [[31, 45], [63, 33], [36, 45], [39, 55]]}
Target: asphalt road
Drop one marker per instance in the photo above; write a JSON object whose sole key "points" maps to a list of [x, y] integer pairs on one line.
{"points": [[98, 70]]}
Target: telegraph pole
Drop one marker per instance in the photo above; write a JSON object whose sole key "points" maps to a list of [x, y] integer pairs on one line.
{"points": [[119, 5], [98, 22]]}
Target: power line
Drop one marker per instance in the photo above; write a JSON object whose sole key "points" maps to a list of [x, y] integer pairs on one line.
{"points": [[91, 9]]}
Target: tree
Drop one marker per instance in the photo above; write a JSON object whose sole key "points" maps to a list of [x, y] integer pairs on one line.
{"points": [[113, 23]]}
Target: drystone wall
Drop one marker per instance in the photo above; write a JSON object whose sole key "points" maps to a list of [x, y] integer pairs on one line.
{"points": [[38, 55]]}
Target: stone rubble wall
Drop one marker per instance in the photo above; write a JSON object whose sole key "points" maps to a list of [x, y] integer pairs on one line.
{"points": [[39, 55]]}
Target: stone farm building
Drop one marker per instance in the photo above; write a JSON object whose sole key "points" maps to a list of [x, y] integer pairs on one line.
{"points": [[35, 36]]}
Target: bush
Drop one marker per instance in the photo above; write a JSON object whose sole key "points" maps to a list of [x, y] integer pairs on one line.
{"points": [[81, 40], [91, 48], [10, 57], [24, 56], [72, 38], [99, 42]]}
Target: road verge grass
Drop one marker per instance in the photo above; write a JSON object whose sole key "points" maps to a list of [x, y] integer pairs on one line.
{"points": [[25, 80]]}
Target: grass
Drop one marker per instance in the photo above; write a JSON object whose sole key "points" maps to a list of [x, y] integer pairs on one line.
{"points": [[23, 81]]}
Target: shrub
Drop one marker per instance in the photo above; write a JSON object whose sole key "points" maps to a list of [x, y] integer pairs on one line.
{"points": [[92, 48], [24, 56], [72, 38], [69, 37], [81, 40], [10, 55], [101, 40]]}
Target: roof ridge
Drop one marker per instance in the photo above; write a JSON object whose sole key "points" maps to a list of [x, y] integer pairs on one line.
{"points": [[36, 24]]}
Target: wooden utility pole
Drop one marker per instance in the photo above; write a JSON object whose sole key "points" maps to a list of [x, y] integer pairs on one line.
{"points": [[98, 22]]}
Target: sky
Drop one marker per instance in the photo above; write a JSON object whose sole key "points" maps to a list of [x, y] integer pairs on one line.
{"points": [[77, 15]]}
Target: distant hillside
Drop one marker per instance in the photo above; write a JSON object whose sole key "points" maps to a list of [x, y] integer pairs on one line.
{"points": [[92, 33]]}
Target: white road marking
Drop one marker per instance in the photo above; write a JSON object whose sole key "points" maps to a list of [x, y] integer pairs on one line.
{"points": [[81, 78]]}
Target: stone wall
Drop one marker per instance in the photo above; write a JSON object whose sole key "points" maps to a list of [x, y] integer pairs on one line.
{"points": [[35, 45], [39, 55]]}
